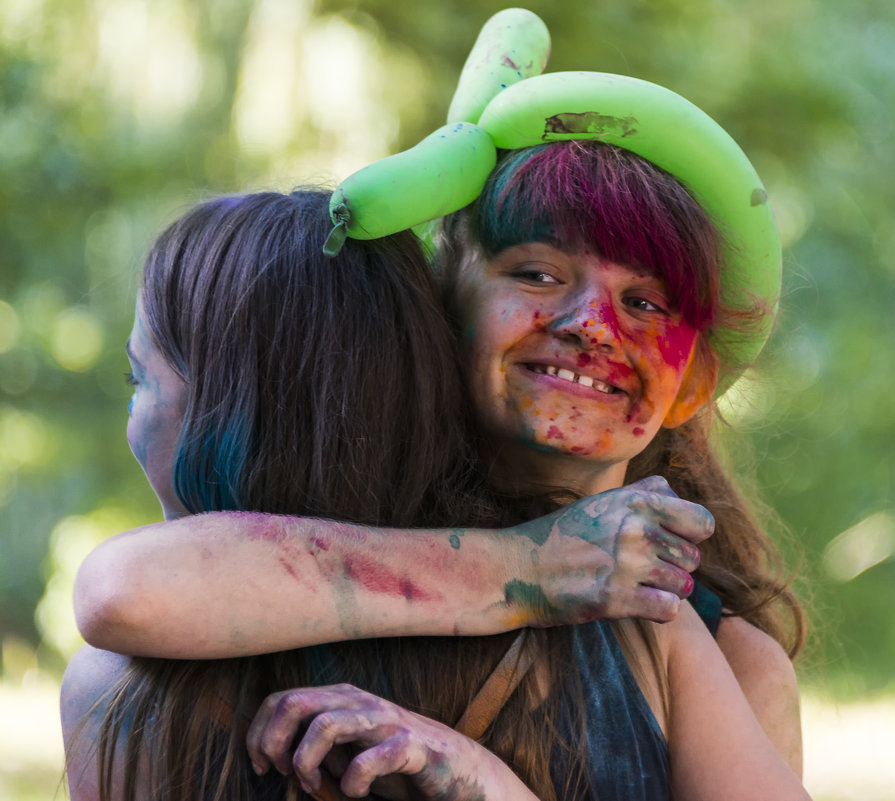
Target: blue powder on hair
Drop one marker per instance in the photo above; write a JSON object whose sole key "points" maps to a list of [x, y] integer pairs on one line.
{"points": [[208, 475]]}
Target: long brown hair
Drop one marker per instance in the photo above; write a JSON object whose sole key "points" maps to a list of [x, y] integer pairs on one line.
{"points": [[316, 387]]}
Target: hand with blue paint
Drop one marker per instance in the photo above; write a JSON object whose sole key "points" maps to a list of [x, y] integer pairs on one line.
{"points": [[625, 553]]}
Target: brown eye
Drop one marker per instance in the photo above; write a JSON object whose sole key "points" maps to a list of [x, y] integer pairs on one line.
{"points": [[642, 304]]}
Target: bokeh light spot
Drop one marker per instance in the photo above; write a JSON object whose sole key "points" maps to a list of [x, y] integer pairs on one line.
{"points": [[76, 340]]}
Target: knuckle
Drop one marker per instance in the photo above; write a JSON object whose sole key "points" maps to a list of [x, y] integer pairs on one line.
{"points": [[325, 722], [289, 703]]}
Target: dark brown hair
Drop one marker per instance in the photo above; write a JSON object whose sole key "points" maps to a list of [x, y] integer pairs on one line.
{"points": [[316, 387]]}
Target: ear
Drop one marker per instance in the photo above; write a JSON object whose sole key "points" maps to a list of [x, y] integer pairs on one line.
{"points": [[697, 388]]}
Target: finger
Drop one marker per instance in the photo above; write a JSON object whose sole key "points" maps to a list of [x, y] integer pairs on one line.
{"points": [[691, 521], [671, 579], [259, 759], [397, 754], [657, 484], [674, 550], [328, 729], [651, 603], [288, 711]]}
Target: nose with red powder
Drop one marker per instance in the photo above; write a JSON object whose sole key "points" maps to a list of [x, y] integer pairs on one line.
{"points": [[594, 322]]}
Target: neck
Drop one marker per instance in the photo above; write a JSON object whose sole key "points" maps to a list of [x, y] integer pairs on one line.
{"points": [[520, 468]]}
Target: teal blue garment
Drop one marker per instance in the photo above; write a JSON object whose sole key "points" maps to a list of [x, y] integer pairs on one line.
{"points": [[627, 752], [707, 606]]}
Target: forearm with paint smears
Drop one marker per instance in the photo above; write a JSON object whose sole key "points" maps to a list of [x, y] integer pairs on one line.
{"points": [[230, 584]]}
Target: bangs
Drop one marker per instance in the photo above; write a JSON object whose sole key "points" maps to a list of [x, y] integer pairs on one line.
{"points": [[587, 195]]}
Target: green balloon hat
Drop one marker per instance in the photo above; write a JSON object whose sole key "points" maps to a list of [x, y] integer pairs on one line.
{"points": [[503, 101]]}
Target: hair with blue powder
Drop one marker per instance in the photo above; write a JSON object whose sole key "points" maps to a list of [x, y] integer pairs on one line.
{"points": [[296, 400], [322, 387]]}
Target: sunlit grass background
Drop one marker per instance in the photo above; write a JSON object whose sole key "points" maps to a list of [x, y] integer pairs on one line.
{"points": [[115, 115]]}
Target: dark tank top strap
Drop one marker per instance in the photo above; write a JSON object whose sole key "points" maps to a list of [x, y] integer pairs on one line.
{"points": [[707, 606]]}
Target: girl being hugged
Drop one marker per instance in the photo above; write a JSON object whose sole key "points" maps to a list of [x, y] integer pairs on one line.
{"points": [[587, 284], [268, 377]]}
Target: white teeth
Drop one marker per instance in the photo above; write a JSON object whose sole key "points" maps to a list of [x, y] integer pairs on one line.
{"points": [[568, 375]]}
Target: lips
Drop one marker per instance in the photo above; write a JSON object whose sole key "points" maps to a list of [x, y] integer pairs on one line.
{"points": [[564, 374]]}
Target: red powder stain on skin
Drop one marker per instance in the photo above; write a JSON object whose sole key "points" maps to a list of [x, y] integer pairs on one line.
{"points": [[377, 578], [607, 317], [288, 568], [258, 527], [638, 432], [583, 360], [619, 373], [320, 543], [676, 345], [554, 433]]}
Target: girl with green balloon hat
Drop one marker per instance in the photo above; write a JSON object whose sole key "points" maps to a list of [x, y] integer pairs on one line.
{"points": [[593, 351]]}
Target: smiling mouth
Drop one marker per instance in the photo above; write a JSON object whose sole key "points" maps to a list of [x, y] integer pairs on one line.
{"points": [[573, 378]]}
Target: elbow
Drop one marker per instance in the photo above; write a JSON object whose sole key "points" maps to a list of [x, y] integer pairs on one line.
{"points": [[106, 610]]}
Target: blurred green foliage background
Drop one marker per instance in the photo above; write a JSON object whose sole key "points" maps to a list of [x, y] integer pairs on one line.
{"points": [[115, 115]]}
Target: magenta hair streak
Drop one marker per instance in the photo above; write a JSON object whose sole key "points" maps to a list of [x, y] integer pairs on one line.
{"points": [[593, 196]]}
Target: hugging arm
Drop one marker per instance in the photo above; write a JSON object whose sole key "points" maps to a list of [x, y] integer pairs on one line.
{"points": [[232, 584]]}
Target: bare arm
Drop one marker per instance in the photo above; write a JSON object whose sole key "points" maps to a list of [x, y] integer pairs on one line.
{"points": [[766, 676], [230, 584], [718, 748]]}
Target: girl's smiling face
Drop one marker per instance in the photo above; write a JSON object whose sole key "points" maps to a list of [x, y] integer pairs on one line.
{"points": [[155, 414], [577, 356]]}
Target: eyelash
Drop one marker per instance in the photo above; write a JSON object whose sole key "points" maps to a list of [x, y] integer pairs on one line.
{"points": [[534, 276], [635, 301], [130, 380]]}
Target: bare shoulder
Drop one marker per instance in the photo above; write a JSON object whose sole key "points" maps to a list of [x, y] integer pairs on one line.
{"points": [[768, 680], [87, 678], [89, 674], [757, 659]]}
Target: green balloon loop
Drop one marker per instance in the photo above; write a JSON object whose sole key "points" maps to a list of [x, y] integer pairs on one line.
{"points": [[339, 233]]}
